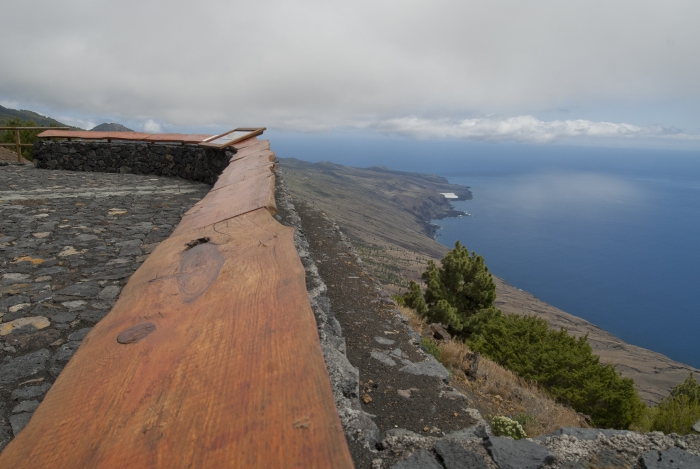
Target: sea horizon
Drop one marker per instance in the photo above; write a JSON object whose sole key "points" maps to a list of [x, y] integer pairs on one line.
{"points": [[605, 234]]}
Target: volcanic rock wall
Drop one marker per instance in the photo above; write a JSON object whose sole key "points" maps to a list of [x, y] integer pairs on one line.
{"points": [[190, 162]]}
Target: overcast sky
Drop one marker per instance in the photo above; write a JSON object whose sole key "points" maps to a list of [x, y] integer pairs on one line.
{"points": [[528, 71]]}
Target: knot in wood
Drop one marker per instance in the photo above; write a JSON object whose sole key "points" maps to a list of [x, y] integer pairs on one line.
{"points": [[136, 333]]}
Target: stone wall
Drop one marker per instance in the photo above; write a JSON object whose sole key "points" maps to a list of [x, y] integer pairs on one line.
{"points": [[190, 162]]}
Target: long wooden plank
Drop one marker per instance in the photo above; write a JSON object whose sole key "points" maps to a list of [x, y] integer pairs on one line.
{"points": [[250, 192], [136, 136], [89, 135], [183, 138], [231, 201], [249, 147], [228, 374], [242, 169], [248, 151], [243, 173], [264, 144]]}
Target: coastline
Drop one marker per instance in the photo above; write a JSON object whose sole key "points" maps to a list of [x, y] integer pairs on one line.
{"points": [[654, 373], [384, 220]]}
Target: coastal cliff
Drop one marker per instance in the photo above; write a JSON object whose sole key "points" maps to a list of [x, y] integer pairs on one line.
{"points": [[387, 216]]}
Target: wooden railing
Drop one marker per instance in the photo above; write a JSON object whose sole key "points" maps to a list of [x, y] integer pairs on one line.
{"points": [[18, 144], [209, 359]]}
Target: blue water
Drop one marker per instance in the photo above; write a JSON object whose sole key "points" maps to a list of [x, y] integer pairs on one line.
{"points": [[610, 235]]}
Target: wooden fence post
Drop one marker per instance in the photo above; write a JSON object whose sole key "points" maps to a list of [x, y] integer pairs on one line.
{"points": [[19, 146]]}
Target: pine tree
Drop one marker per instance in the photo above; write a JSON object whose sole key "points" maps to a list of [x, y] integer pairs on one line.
{"points": [[460, 288]]}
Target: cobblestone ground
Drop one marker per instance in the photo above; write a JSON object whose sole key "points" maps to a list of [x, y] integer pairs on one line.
{"points": [[69, 241]]}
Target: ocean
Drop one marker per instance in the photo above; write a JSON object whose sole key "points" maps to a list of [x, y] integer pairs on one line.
{"points": [[611, 235]]}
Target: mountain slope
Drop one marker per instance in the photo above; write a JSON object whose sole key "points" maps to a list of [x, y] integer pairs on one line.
{"points": [[112, 127], [380, 211], [7, 114]]}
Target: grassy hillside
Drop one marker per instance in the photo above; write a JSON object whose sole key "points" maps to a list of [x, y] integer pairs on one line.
{"points": [[7, 114]]}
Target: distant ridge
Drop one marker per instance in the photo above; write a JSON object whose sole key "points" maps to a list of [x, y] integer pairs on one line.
{"points": [[7, 114], [110, 128]]}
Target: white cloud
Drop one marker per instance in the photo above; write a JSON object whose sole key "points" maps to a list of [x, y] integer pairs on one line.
{"points": [[9, 104], [86, 124], [152, 127], [313, 64], [521, 129]]}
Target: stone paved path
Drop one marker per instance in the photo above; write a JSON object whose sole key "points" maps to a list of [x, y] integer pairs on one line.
{"points": [[69, 241]]}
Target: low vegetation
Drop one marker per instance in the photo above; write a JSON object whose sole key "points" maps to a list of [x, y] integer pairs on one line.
{"points": [[675, 414], [26, 136], [506, 426], [496, 390], [385, 266], [460, 294], [562, 364]]}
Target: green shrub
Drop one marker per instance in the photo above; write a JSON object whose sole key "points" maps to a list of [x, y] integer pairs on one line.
{"points": [[26, 136], [561, 363], [461, 287], [524, 419], [675, 414], [504, 426], [431, 347], [672, 415], [689, 388], [461, 293], [413, 298]]}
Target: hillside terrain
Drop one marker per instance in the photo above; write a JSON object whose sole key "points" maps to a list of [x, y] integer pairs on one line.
{"points": [[387, 216], [7, 114], [110, 127]]}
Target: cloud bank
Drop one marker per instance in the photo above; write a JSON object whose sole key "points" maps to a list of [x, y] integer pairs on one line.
{"points": [[311, 65], [524, 129]]}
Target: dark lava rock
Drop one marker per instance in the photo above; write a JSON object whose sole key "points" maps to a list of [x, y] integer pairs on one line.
{"points": [[10, 301], [17, 368], [83, 289], [4, 435], [62, 355], [606, 459], [26, 406], [32, 340], [79, 334], [588, 434], [421, 459], [454, 456], [93, 316], [63, 317], [19, 421], [518, 454], [672, 458], [30, 391]]}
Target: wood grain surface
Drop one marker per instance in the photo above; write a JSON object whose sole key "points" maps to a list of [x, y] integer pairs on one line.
{"points": [[244, 169], [209, 359]]}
